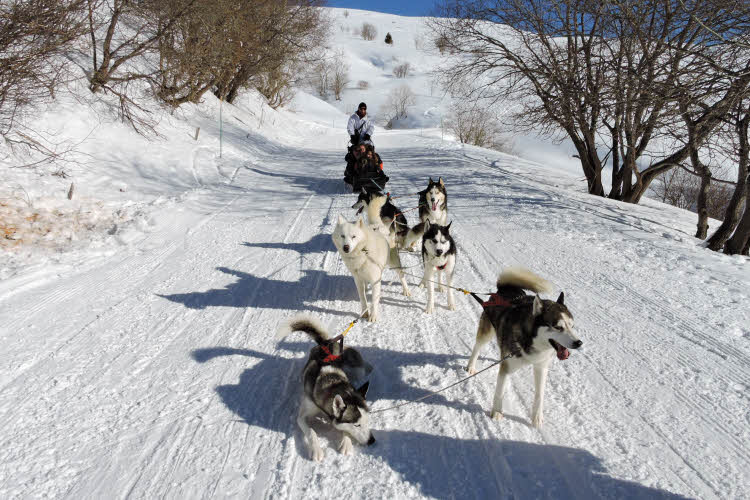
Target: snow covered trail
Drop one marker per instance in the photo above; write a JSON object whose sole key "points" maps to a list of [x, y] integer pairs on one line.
{"points": [[156, 374]]}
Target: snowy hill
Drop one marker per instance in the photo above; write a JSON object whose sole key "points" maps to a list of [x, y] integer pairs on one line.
{"points": [[139, 354]]}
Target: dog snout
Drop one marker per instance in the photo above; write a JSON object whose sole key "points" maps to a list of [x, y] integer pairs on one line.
{"points": [[345, 248], [438, 252], [371, 441], [577, 344]]}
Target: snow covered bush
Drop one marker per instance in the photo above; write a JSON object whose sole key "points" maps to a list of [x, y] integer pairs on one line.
{"points": [[402, 70], [475, 124], [399, 99], [368, 31]]}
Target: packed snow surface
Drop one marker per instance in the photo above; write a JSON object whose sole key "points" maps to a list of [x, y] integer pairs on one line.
{"points": [[139, 357]]}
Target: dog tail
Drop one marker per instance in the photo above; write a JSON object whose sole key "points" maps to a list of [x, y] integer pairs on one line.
{"points": [[523, 278], [307, 324]]}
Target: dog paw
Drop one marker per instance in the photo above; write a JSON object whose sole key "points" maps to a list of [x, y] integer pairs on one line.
{"points": [[317, 454], [406, 292], [441, 289], [421, 284], [451, 307], [537, 421], [365, 313], [496, 415], [471, 370], [346, 447], [428, 310], [372, 318]]}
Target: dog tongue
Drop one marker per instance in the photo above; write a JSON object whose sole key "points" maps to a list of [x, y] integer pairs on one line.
{"points": [[562, 352], [434, 206], [360, 210]]}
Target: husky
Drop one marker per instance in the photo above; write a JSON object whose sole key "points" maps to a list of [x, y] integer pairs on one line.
{"points": [[439, 258], [433, 207], [366, 252], [327, 389], [532, 330], [382, 212]]}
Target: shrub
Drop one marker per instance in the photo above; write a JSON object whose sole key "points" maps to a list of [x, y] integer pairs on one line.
{"points": [[363, 85], [401, 71], [388, 39], [398, 100], [368, 31]]}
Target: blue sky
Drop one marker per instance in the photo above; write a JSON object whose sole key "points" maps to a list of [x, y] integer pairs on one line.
{"points": [[400, 7]]}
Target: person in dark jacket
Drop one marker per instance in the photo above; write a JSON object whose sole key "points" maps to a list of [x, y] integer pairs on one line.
{"points": [[355, 152]]}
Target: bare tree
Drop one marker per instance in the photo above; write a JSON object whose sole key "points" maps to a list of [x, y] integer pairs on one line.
{"points": [[588, 68], [34, 36], [266, 35], [402, 70], [368, 31], [340, 75], [476, 123], [734, 211], [397, 102]]}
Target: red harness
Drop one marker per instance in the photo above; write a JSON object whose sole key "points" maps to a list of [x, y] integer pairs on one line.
{"points": [[330, 358], [496, 301]]}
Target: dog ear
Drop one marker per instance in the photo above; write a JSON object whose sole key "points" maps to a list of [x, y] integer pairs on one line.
{"points": [[431, 181], [341, 219], [537, 309], [561, 298], [426, 225], [440, 181], [447, 228], [360, 222], [338, 406], [363, 390]]}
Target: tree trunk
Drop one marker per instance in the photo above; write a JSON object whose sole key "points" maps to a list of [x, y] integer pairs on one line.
{"points": [[702, 229], [740, 240], [732, 214]]}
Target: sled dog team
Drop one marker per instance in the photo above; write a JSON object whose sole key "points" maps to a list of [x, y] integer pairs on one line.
{"points": [[531, 330]]}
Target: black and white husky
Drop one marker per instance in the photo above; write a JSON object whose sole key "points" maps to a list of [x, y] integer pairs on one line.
{"points": [[327, 389], [532, 329], [439, 258], [381, 211], [433, 207]]}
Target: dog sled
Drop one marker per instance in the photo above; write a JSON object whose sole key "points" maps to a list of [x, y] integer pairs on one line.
{"points": [[365, 174]]}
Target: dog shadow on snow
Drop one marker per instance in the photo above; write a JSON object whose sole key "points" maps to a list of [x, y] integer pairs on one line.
{"points": [[316, 244], [257, 291], [267, 396]]}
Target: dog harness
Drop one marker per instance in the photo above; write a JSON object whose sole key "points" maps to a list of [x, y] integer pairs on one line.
{"points": [[330, 357], [496, 300]]}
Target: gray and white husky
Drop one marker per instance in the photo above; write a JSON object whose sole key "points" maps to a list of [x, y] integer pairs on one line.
{"points": [[532, 329], [433, 207], [327, 389], [439, 258], [366, 252]]}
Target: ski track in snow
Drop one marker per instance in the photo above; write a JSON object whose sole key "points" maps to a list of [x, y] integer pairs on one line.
{"points": [[155, 373]]}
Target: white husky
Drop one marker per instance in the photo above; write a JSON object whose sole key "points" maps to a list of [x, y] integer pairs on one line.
{"points": [[366, 253]]}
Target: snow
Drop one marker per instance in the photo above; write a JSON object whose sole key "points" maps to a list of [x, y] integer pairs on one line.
{"points": [[138, 319]]}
